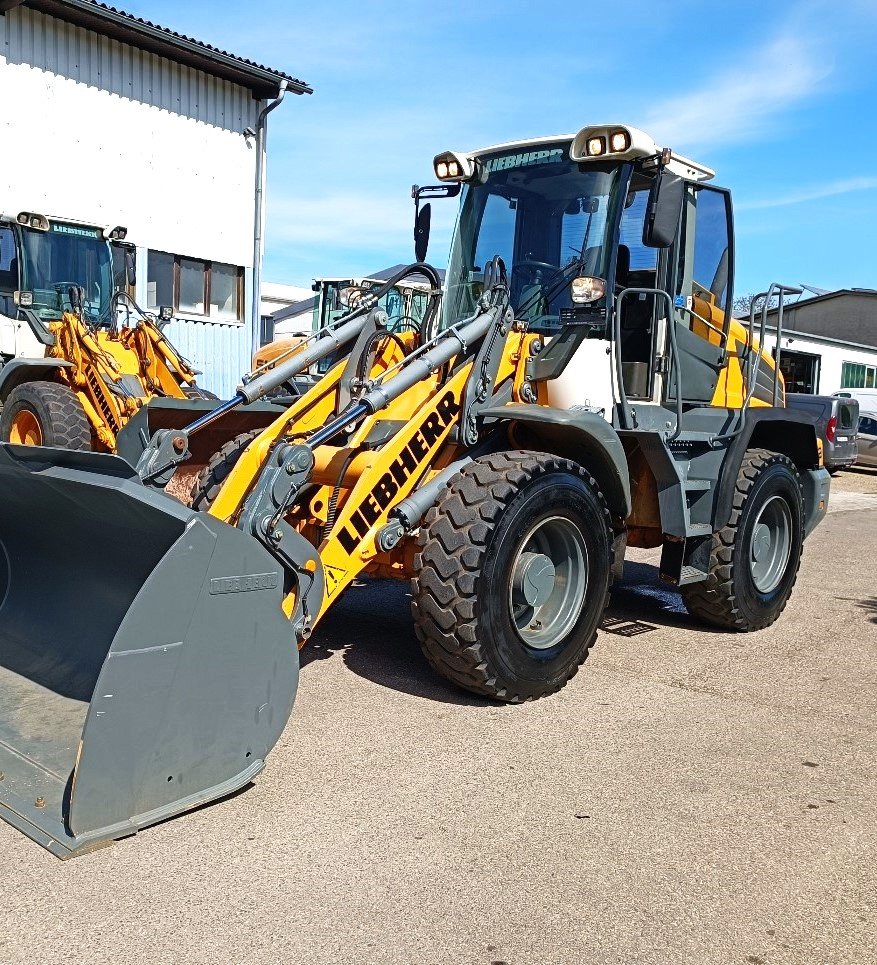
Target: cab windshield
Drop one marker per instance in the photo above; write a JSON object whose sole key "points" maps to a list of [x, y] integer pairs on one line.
{"points": [[547, 217], [53, 261]]}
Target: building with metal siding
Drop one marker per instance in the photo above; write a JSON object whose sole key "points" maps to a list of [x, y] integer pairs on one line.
{"points": [[109, 119]]}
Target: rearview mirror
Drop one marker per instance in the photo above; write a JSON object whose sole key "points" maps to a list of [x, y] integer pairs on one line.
{"points": [[130, 268], [664, 210], [421, 232]]}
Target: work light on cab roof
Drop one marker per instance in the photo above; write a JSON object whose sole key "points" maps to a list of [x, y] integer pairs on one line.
{"points": [[592, 143]]}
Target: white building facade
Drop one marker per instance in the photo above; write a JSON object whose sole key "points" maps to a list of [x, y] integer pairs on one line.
{"points": [[110, 120], [829, 342], [819, 365]]}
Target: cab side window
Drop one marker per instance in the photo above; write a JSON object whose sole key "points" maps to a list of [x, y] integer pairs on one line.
{"points": [[705, 259]]}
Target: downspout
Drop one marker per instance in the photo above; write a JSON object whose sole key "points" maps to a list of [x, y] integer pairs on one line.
{"points": [[261, 155]]}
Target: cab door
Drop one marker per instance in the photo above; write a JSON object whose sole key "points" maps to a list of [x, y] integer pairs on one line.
{"points": [[703, 265]]}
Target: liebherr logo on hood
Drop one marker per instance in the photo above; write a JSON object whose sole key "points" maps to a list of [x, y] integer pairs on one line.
{"points": [[409, 460]]}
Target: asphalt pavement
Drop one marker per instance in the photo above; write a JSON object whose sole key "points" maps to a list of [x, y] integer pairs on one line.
{"points": [[691, 797]]}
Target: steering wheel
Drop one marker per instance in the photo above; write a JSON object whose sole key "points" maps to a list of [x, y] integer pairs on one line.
{"points": [[533, 266]]}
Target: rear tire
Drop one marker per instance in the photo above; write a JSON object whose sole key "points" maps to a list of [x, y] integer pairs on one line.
{"points": [[45, 414], [512, 575], [754, 560], [210, 480]]}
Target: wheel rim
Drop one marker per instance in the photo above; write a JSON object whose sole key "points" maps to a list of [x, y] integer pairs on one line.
{"points": [[26, 429], [549, 580], [770, 545]]}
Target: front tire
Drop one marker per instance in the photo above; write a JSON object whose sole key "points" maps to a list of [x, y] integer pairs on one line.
{"points": [[45, 414], [754, 560], [512, 575], [210, 480]]}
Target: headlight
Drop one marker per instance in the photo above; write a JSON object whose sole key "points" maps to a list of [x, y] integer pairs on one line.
{"points": [[596, 146], [619, 141], [39, 222], [586, 289], [23, 299], [453, 167]]}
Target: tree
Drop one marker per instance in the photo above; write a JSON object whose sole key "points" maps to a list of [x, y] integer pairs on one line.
{"points": [[743, 304]]}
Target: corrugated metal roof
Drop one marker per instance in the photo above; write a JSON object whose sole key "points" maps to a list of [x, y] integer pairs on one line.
{"points": [[100, 17]]}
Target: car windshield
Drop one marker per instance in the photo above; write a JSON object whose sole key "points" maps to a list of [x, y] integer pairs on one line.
{"points": [[66, 256], [546, 216]]}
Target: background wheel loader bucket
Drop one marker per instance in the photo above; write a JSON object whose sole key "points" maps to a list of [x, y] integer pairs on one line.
{"points": [[146, 665]]}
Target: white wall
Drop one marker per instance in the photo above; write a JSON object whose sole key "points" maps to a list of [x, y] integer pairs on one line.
{"points": [[832, 356], [97, 131]]}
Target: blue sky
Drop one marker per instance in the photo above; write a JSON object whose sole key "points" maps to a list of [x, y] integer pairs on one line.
{"points": [[780, 98]]}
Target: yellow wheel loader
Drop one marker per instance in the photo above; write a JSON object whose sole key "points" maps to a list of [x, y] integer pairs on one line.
{"points": [[592, 395], [407, 305], [301, 364], [79, 359]]}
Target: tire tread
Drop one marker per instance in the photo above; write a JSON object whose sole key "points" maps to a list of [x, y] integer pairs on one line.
{"points": [[713, 600], [450, 550]]}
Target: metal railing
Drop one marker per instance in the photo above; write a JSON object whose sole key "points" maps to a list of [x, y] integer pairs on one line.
{"points": [[753, 360], [673, 364]]}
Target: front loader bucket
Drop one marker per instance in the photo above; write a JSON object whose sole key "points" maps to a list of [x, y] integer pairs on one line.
{"points": [[146, 665]]}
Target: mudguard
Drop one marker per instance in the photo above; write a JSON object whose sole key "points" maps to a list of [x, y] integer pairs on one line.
{"points": [[578, 434], [17, 371]]}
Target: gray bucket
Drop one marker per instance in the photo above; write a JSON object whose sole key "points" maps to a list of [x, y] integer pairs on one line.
{"points": [[146, 665]]}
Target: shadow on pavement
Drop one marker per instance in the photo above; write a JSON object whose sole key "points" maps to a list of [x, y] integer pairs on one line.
{"points": [[642, 596], [371, 627], [870, 606]]}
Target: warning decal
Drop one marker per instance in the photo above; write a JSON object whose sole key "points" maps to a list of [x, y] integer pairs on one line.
{"points": [[334, 576]]}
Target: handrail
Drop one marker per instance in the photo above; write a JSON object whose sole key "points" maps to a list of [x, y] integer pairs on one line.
{"points": [[705, 321], [674, 353], [754, 363]]}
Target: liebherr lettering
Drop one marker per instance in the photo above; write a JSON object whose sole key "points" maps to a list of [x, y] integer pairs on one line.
{"points": [[400, 471]]}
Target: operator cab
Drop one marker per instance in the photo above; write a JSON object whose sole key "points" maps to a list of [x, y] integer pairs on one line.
{"points": [[570, 217]]}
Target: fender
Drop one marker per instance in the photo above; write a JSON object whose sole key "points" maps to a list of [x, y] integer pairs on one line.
{"points": [[789, 431], [17, 371], [580, 435]]}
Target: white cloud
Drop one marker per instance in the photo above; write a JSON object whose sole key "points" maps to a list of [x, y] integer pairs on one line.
{"points": [[830, 190], [742, 102]]}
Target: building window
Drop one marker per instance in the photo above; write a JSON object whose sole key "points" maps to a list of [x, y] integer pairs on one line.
{"points": [[225, 291], [858, 375], [159, 280], [194, 287]]}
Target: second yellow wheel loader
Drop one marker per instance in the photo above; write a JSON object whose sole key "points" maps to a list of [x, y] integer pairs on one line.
{"points": [[78, 359], [595, 395]]}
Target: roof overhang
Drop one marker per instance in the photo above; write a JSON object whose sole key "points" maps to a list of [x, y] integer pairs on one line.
{"points": [[109, 22]]}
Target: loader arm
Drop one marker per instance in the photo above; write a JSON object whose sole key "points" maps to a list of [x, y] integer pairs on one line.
{"points": [[163, 370], [404, 429]]}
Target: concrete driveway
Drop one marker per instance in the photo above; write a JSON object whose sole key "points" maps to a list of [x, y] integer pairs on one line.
{"points": [[691, 797]]}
